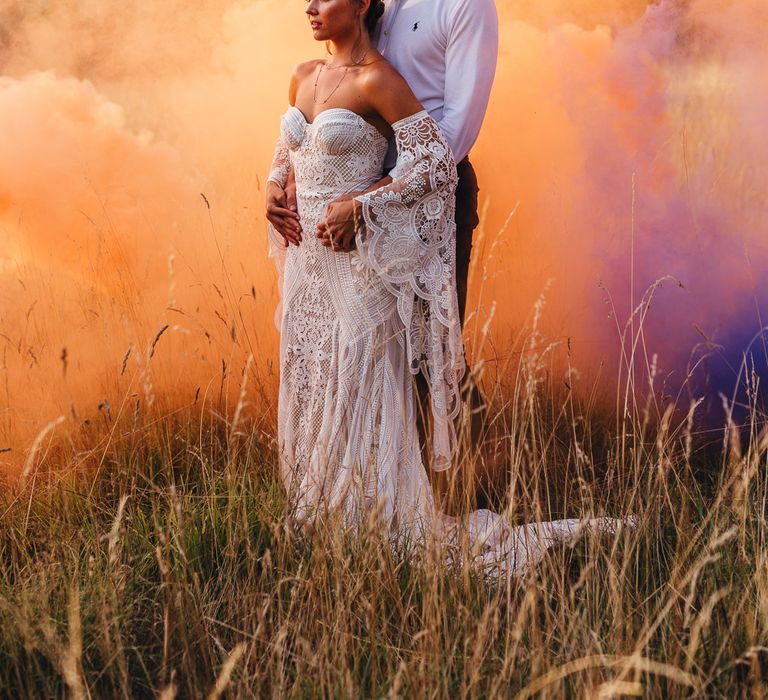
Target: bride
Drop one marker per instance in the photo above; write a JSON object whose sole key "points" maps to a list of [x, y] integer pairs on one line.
{"points": [[361, 316]]}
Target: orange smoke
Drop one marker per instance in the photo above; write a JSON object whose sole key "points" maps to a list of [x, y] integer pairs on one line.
{"points": [[634, 153], [135, 138]]}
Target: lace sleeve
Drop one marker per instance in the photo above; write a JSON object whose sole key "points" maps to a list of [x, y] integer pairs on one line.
{"points": [[409, 240], [281, 167], [281, 164]]}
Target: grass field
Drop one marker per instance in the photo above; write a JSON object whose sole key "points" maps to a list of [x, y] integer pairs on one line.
{"points": [[151, 558]]}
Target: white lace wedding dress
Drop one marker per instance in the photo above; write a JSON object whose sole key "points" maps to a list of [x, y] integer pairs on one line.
{"points": [[355, 327]]}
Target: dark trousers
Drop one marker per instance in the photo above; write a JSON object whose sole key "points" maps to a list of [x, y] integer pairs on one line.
{"points": [[467, 220]]}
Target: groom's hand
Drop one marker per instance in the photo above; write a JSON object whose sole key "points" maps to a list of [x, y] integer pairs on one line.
{"points": [[337, 231], [281, 211], [339, 225], [290, 192]]}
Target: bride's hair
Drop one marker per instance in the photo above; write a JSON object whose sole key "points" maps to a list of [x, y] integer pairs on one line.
{"points": [[375, 11]]}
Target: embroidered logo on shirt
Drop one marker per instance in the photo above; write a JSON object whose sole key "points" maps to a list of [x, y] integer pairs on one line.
{"points": [[415, 26]]}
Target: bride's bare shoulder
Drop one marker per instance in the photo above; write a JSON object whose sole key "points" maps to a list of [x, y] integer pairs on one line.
{"points": [[301, 73], [306, 68], [381, 79], [388, 92], [381, 73]]}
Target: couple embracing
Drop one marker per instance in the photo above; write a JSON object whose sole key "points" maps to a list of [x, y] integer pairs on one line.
{"points": [[371, 204]]}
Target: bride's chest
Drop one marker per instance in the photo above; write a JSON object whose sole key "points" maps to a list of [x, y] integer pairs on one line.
{"points": [[334, 132]]}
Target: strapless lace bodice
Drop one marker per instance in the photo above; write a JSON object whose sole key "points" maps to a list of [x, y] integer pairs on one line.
{"points": [[338, 152]]}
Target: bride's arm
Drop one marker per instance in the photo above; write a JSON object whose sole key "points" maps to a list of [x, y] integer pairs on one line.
{"points": [[282, 211], [398, 221], [407, 237], [375, 186]]}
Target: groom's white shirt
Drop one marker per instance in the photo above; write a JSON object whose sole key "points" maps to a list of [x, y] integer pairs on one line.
{"points": [[447, 51]]}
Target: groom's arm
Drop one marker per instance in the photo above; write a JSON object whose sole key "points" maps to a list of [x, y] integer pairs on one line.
{"points": [[470, 60], [386, 180]]}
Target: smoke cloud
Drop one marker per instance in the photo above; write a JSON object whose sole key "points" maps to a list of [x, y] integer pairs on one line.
{"points": [[626, 137], [635, 154]]}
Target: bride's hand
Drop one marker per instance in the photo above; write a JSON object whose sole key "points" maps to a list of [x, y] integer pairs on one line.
{"points": [[281, 215], [337, 231]]}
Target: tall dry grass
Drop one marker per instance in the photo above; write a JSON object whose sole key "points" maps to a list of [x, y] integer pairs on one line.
{"points": [[148, 556], [146, 552]]}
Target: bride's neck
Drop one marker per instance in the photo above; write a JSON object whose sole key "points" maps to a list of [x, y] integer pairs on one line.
{"points": [[349, 50]]}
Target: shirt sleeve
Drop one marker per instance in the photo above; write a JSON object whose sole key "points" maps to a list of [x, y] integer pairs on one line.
{"points": [[471, 54]]}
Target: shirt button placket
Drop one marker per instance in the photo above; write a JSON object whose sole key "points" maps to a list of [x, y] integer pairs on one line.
{"points": [[388, 26]]}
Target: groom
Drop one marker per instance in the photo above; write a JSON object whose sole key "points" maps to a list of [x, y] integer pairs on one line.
{"points": [[446, 50]]}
